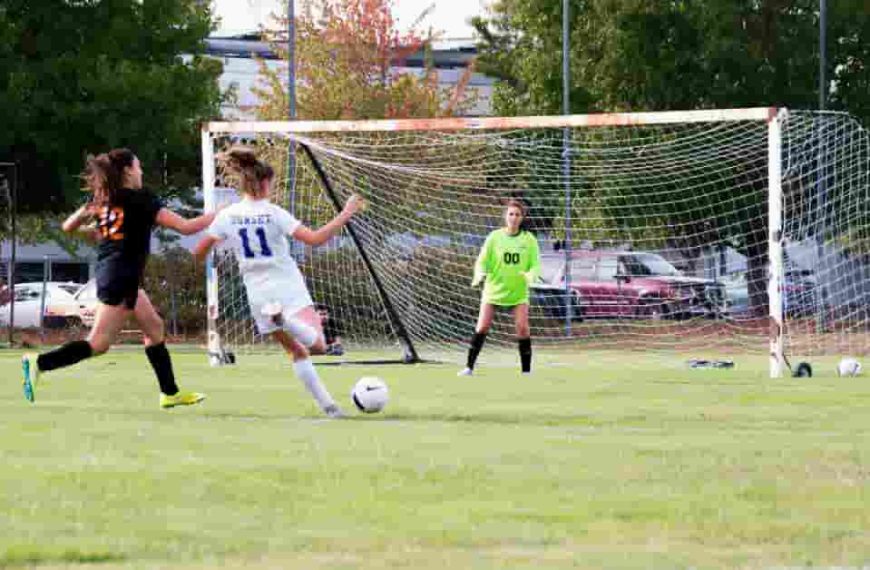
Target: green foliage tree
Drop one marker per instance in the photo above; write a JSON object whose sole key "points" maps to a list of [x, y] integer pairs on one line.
{"points": [[81, 76], [175, 283], [632, 55], [345, 53], [346, 57]]}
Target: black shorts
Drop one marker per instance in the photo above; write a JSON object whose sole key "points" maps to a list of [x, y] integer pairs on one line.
{"points": [[118, 283]]}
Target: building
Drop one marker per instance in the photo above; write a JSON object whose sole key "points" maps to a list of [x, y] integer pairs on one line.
{"points": [[241, 71], [46, 260]]}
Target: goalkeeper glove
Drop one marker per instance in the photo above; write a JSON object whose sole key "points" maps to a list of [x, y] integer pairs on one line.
{"points": [[478, 279]]}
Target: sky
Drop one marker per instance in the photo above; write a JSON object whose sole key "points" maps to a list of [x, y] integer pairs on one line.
{"points": [[448, 16]]}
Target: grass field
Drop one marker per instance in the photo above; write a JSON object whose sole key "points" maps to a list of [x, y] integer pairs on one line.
{"points": [[583, 465]]}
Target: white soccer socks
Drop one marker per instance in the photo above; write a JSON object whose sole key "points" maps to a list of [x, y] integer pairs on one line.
{"points": [[305, 371]]}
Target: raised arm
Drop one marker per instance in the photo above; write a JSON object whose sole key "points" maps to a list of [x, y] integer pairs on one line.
{"points": [[200, 252], [322, 234], [76, 219], [169, 219]]}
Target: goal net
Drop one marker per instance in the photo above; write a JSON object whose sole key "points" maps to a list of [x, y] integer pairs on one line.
{"points": [[701, 233]]}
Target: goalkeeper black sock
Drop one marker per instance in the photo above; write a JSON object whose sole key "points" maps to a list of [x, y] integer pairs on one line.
{"points": [[158, 356], [525, 353], [476, 344], [66, 355]]}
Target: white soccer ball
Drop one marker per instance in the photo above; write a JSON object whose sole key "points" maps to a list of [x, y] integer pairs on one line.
{"points": [[849, 367], [370, 394]]}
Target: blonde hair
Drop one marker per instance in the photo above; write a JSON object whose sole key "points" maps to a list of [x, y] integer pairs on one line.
{"points": [[240, 167]]}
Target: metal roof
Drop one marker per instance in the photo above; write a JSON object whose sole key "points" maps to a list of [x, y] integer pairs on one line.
{"points": [[444, 54]]}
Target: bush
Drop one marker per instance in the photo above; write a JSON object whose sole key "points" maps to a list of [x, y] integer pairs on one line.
{"points": [[176, 284]]}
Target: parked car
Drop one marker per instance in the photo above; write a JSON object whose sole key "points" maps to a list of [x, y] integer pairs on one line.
{"points": [[799, 293], [633, 284], [58, 308], [552, 300], [85, 301]]}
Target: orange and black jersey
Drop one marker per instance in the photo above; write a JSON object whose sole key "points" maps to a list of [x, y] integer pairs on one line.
{"points": [[125, 226]]}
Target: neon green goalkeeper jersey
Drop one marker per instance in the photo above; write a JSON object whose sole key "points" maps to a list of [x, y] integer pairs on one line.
{"points": [[508, 264]]}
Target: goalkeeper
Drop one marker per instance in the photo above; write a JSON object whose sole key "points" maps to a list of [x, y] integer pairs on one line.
{"points": [[508, 263]]}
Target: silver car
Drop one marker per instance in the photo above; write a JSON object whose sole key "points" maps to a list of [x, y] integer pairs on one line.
{"points": [[56, 308]]}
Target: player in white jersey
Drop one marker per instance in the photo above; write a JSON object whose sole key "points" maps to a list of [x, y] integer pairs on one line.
{"points": [[257, 231]]}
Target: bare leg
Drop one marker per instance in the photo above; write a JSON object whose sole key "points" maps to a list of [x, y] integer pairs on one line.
{"points": [[484, 318], [309, 317], [107, 324], [149, 321], [295, 349], [521, 321]]}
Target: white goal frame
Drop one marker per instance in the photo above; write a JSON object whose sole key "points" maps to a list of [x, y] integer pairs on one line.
{"points": [[772, 116]]}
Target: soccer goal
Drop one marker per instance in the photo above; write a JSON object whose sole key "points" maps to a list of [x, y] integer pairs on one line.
{"points": [[700, 233]]}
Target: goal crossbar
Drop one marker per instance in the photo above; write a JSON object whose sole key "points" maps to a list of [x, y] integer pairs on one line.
{"points": [[496, 123]]}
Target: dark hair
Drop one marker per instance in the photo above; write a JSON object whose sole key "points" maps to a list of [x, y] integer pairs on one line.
{"points": [[95, 176], [516, 203], [242, 167], [524, 209], [104, 173]]}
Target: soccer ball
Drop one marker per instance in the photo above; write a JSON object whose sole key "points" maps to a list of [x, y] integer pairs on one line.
{"points": [[370, 394], [849, 367]]}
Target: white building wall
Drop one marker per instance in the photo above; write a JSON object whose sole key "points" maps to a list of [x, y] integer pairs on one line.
{"points": [[242, 74]]}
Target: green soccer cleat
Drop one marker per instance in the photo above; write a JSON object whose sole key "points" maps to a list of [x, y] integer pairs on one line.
{"points": [[31, 374], [181, 399]]}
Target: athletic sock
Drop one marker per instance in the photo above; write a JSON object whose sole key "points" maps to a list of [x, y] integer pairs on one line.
{"points": [[476, 345], [525, 353], [66, 355], [158, 356], [305, 371]]}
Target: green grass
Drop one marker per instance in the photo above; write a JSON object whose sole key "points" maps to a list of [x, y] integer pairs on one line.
{"points": [[593, 462]]}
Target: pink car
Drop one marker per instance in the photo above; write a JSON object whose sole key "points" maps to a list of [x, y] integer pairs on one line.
{"points": [[632, 284]]}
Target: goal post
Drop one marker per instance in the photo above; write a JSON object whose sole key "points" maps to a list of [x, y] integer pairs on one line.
{"points": [[708, 233], [774, 243], [410, 355]]}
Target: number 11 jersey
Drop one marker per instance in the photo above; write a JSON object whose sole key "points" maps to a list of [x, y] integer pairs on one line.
{"points": [[257, 232]]}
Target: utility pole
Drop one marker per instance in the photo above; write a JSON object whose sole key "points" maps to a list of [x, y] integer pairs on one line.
{"points": [[566, 158]]}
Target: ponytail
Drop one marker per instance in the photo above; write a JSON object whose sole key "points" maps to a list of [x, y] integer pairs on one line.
{"points": [[96, 178], [241, 167]]}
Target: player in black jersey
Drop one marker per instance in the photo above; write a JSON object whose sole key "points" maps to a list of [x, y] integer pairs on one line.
{"points": [[124, 214]]}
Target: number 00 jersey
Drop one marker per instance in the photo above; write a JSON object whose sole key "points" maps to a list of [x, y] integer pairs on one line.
{"points": [[509, 263], [257, 232]]}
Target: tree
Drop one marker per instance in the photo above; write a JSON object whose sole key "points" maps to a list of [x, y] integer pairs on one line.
{"points": [[645, 56], [347, 58], [346, 53], [82, 77], [632, 55]]}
